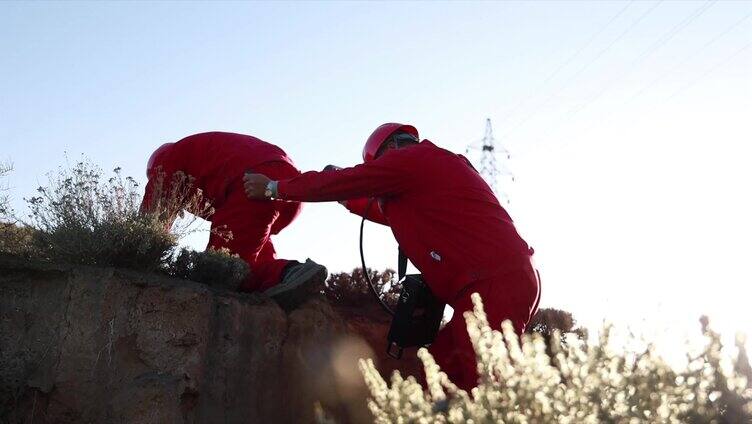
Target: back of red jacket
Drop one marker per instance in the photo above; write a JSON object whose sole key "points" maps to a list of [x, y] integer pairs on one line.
{"points": [[216, 160], [445, 217]]}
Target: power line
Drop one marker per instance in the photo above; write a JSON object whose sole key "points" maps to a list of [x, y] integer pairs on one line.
{"points": [[586, 66], [688, 58], [709, 71], [694, 81], [590, 41], [661, 41], [513, 110], [665, 38], [680, 64]]}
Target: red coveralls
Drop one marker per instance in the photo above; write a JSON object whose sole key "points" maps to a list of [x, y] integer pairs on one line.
{"points": [[217, 161], [450, 224]]}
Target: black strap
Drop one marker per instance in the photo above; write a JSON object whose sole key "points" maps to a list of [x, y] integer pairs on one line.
{"points": [[401, 264], [363, 262]]}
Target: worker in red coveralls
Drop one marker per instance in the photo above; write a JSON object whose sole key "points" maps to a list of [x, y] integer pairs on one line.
{"points": [[216, 161], [446, 220]]}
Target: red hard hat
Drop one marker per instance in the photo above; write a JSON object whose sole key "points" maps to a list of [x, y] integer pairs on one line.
{"points": [[380, 135], [157, 158]]}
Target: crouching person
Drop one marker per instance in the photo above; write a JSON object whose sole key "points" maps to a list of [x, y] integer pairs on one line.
{"points": [[211, 166], [446, 220]]}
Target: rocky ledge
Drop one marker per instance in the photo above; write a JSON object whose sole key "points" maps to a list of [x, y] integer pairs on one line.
{"points": [[82, 344]]}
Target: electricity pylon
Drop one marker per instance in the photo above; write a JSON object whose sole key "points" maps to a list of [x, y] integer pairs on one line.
{"points": [[490, 168]]}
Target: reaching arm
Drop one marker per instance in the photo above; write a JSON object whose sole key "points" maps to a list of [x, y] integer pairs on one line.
{"points": [[389, 175]]}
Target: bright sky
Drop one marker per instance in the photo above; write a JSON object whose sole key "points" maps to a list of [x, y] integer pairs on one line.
{"points": [[628, 122]]}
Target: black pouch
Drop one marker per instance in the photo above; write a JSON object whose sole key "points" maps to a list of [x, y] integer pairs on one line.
{"points": [[417, 316]]}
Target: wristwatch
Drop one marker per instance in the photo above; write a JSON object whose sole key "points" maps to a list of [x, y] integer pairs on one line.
{"points": [[271, 190]]}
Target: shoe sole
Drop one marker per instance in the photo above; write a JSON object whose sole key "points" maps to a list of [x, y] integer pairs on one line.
{"points": [[309, 283]]}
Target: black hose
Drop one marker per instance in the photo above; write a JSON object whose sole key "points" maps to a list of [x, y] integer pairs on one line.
{"points": [[363, 262]]}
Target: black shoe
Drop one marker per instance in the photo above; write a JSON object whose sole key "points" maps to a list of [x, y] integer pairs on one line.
{"points": [[299, 282]]}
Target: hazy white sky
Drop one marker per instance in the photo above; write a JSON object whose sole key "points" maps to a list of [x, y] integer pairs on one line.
{"points": [[629, 122]]}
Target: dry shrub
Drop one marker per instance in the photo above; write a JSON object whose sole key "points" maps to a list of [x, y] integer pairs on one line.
{"points": [[82, 220], [216, 268], [583, 383], [548, 321], [351, 289], [5, 210], [170, 199], [15, 239]]}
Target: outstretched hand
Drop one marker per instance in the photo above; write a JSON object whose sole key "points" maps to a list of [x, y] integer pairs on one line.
{"points": [[336, 168], [255, 185]]}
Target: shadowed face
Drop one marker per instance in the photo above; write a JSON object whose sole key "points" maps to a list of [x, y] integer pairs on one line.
{"points": [[398, 140]]}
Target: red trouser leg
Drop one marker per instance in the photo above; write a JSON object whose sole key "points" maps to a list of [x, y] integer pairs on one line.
{"points": [[266, 269], [252, 222], [512, 296]]}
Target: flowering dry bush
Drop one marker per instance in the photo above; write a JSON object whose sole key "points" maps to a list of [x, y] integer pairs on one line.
{"points": [[584, 383], [170, 200], [81, 219]]}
